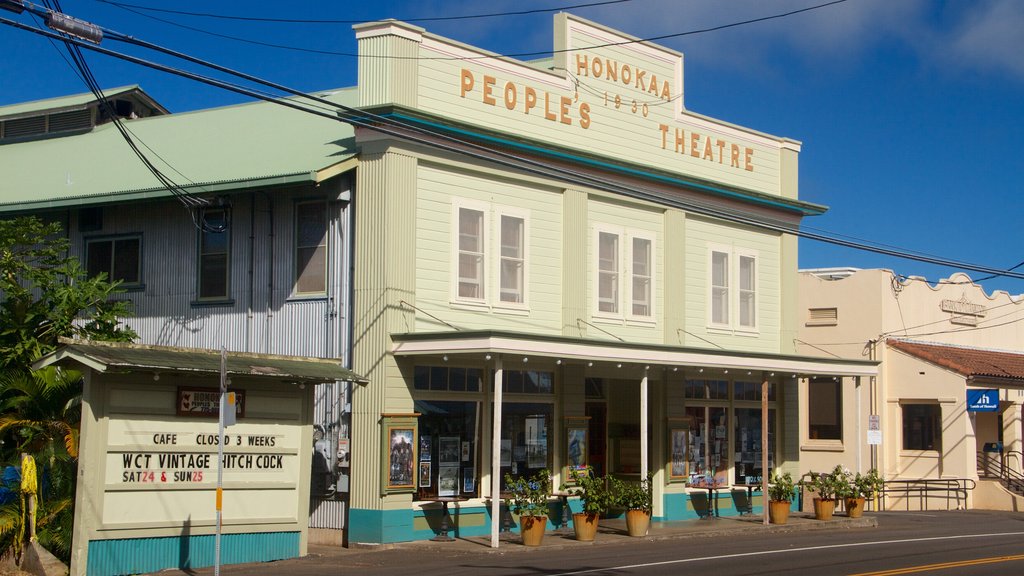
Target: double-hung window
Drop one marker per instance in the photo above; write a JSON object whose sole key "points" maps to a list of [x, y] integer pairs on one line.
{"points": [[119, 257], [491, 253], [311, 248], [471, 254], [214, 250], [513, 259], [608, 272], [733, 289], [624, 278]]}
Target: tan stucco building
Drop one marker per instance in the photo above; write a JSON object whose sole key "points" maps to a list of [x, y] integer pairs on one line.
{"points": [[944, 350]]}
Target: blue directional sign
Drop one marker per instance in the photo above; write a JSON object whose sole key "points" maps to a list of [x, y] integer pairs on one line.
{"points": [[982, 400]]}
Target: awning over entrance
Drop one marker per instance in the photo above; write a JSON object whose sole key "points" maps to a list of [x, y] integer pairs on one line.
{"points": [[114, 357], [510, 343], [980, 367], [495, 347]]}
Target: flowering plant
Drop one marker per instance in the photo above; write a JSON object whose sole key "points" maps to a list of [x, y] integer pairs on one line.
{"points": [[867, 485], [529, 496]]}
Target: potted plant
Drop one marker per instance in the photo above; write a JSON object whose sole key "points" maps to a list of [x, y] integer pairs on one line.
{"points": [[780, 497], [529, 500], [595, 497], [637, 499], [829, 487], [864, 487]]}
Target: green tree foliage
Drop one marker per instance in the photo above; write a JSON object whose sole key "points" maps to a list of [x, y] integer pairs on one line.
{"points": [[47, 294]]}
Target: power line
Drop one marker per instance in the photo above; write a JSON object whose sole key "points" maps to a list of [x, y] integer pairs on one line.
{"points": [[329, 21], [482, 56], [404, 131]]}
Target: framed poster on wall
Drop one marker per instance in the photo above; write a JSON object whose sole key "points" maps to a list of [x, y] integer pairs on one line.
{"points": [[680, 449], [399, 443], [576, 430]]}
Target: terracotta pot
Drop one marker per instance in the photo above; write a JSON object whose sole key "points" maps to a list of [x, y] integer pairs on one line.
{"points": [[637, 522], [823, 509], [854, 507], [532, 529], [778, 511], [585, 526]]}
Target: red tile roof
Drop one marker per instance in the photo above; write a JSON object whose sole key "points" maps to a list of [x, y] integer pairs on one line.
{"points": [[970, 362]]}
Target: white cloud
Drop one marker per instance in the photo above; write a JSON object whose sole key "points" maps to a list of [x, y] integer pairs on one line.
{"points": [[991, 37]]}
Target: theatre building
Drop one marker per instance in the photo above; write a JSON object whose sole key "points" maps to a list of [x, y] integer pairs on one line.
{"points": [[557, 264], [942, 420]]}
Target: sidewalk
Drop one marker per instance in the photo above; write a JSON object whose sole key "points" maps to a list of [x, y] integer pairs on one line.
{"points": [[611, 532]]}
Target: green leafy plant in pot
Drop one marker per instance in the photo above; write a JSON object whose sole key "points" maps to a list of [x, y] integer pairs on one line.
{"points": [[829, 487], [595, 497], [529, 500], [865, 486], [637, 498], [780, 497]]}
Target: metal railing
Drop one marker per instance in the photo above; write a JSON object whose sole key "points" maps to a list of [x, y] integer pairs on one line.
{"points": [[952, 491], [1008, 469]]}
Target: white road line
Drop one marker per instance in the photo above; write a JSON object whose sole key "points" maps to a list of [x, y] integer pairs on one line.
{"points": [[787, 551]]}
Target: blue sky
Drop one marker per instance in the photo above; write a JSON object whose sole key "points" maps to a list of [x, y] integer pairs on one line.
{"points": [[911, 112]]}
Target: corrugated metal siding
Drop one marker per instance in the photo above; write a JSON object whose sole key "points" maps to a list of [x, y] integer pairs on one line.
{"points": [[327, 514], [390, 79], [142, 555], [166, 312]]}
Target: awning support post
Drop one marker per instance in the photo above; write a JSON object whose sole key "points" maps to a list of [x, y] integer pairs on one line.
{"points": [[496, 454]]}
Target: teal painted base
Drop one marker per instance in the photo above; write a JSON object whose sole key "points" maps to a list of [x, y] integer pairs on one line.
{"points": [[389, 526], [142, 555]]}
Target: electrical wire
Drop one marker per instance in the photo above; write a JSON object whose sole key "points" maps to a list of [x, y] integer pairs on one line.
{"points": [[405, 131], [482, 56], [328, 21], [190, 202]]}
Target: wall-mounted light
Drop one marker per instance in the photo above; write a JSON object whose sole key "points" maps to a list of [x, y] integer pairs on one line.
{"points": [[525, 359], [618, 365], [487, 357], [590, 364], [558, 362], [445, 357], [156, 376]]}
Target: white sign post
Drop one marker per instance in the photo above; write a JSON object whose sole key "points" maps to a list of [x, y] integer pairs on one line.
{"points": [[220, 452]]}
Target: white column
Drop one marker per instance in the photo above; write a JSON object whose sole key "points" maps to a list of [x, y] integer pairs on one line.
{"points": [[643, 427], [496, 455], [764, 449]]}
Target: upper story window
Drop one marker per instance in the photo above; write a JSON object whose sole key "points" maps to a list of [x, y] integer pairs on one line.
{"points": [[214, 249], [311, 248], [733, 290], [513, 259], [471, 254], [608, 272], [624, 273], [491, 254], [119, 257]]}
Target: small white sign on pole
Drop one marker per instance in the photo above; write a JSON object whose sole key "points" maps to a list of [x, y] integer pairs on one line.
{"points": [[874, 430]]}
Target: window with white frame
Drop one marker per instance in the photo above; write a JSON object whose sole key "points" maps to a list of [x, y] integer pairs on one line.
{"points": [[513, 259], [471, 254], [608, 272], [642, 274], [733, 289], [624, 273], [491, 252]]}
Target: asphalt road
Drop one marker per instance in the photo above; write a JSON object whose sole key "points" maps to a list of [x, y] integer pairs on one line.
{"points": [[936, 543]]}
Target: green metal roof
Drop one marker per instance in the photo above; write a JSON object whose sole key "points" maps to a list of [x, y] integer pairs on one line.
{"points": [[70, 102], [255, 144], [120, 357]]}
